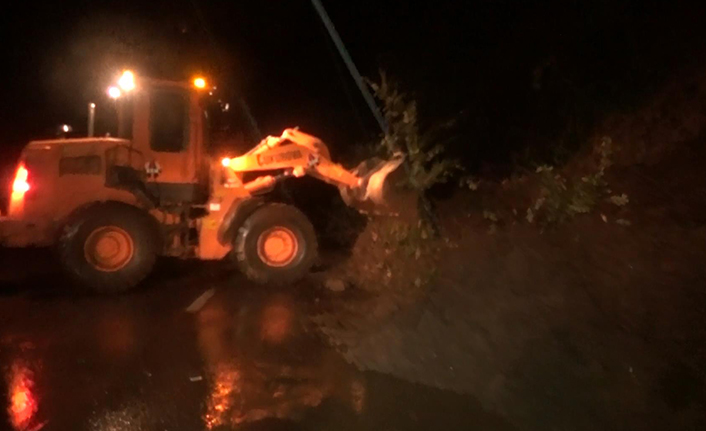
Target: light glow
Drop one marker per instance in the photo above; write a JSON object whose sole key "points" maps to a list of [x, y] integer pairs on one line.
{"points": [[23, 402], [199, 82], [20, 185], [114, 92], [127, 81]]}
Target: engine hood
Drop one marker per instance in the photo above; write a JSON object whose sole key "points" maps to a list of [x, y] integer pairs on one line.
{"points": [[76, 146], [77, 141]]}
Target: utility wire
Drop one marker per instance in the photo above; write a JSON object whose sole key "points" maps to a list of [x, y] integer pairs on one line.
{"points": [[344, 83], [350, 65]]}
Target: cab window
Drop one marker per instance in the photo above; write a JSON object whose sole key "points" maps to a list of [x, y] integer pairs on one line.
{"points": [[169, 121]]}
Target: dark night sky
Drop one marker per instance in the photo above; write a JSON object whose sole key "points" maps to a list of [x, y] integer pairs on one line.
{"points": [[472, 59]]}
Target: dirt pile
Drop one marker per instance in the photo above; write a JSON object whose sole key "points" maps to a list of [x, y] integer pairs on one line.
{"points": [[589, 324], [672, 121], [594, 320]]}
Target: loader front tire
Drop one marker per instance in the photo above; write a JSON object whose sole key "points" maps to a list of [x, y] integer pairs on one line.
{"points": [[276, 244], [109, 248]]}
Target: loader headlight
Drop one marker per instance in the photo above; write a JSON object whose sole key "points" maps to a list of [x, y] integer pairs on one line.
{"points": [[199, 83], [214, 206]]}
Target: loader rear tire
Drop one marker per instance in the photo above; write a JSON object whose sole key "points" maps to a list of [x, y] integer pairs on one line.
{"points": [[109, 248], [276, 244]]}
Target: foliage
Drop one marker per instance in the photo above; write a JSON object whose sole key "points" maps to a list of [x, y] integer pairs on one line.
{"points": [[426, 162], [561, 199], [620, 200], [468, 182]]}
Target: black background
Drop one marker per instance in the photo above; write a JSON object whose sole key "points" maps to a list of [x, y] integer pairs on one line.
{"points": [[517, 75]]}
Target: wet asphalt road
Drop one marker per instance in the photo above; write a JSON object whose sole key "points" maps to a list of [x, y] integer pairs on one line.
{"points": [[197, 348]]}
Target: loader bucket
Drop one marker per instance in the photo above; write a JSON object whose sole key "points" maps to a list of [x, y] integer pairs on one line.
{"points": [[378, 192]]}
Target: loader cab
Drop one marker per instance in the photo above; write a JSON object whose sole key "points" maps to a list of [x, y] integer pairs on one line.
{"points": [[165, 124]]}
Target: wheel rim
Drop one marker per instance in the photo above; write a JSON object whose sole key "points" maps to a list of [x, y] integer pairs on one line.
{"points": [[277, 246], [109, 248]]}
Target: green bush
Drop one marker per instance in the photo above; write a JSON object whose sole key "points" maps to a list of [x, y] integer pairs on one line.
{"points": [[426, 161], [561, 199]]}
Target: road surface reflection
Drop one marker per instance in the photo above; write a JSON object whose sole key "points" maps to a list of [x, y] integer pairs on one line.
{"points": [[260, 364], [247, 360], [23, 402]]}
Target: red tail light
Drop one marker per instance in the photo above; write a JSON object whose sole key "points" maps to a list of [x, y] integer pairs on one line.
{"points": [[20, 185]]}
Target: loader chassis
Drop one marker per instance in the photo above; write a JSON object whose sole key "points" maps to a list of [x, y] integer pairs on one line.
{"points": [[110, 205]]}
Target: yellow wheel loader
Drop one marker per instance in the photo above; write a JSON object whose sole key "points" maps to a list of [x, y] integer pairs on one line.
{"points": [[112, 205]]}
